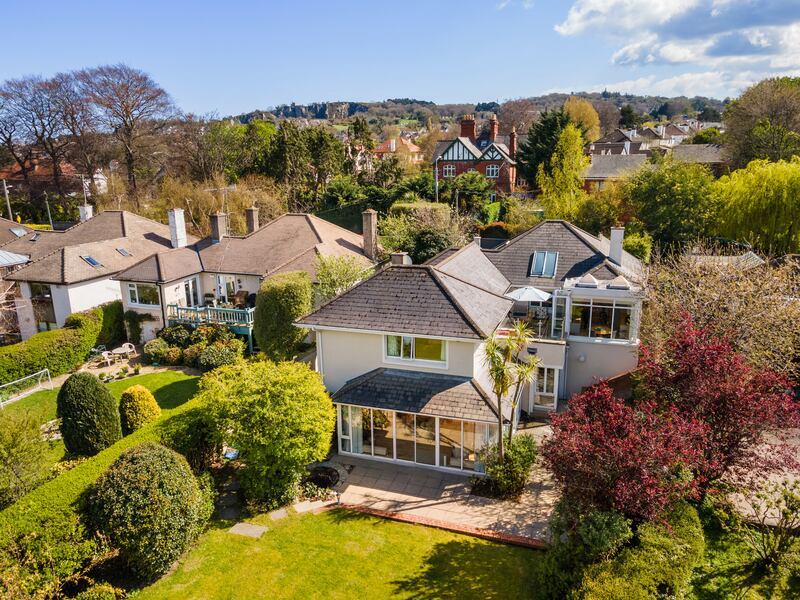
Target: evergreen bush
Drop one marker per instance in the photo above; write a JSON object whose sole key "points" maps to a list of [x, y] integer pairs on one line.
{"points": [[210, 333], [88, 413], [282, 299], [176, 335], [507, 478], [154, 350], [150, 506], [220, 353], [173, 355], [191, 356], [137, 407]]}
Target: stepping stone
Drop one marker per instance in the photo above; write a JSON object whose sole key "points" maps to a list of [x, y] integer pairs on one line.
{"points": [[303, 506], [248, 530], [278, 514]]}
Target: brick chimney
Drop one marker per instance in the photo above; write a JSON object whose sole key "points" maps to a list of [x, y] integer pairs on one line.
{"points": [[512, 143], [494, 128], [468, 128], [369, 220], [219, 226], [177, 227], [251, 218]]}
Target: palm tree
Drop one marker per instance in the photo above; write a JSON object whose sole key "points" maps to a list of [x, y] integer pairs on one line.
{"points": [[507, 370]]}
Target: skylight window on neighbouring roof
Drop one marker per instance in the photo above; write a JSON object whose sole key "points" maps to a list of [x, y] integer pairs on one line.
{"points": [[92, 261], [123, 251], [19, 231], [36, 237], [543, 264]]}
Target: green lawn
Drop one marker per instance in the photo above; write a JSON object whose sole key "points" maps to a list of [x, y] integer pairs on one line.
{"points": [[347, 555], [170, 388], [727, 570]]}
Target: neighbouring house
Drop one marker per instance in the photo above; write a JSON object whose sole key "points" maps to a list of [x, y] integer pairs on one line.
{"points": [[70, 271], [215, 279], [710, 155], [643, 140], [741, 262], [403, 148], [489, 153], [617, 142], [39, 177], [606, 168], [402, 353]]}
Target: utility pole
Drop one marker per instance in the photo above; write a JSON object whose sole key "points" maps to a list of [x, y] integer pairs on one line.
{"points": [[47, 206], [8, 202], [436, 175]]}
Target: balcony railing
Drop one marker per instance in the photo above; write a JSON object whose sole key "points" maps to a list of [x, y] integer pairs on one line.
{"points": [[240, 317]]}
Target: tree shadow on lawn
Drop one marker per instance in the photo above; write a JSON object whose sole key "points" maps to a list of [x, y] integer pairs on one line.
{"points": [[472, 569], [176, 393]]}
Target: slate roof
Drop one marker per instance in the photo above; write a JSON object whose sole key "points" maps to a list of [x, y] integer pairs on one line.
{"points": [[707, 154], [578, 253], [416, 392], [613, 166], [415, 299], [471, 265], [743, 262], [6, 235], [290, 242], [480, 145], [56, 255]]}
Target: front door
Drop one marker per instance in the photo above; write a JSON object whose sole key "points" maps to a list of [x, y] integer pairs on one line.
{"points": [[190, 292], [226, 288]]}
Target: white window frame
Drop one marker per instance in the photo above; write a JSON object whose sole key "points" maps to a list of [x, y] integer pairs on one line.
{"points": [[589, 302], [534, 389], [492, 171], [135, 286], [413, 361], [448, 171], [547, 254], [193, 283]]}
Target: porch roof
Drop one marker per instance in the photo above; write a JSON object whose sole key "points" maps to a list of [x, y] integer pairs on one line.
{"points": [[432, 394]]}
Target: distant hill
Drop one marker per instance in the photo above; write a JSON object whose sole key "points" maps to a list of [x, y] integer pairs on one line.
{"points": [[410, 112]]}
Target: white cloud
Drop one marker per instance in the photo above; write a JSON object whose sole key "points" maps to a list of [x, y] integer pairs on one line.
{"points": [[620, 15]]}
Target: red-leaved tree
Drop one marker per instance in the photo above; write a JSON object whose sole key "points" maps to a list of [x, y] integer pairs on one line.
{"points": [[608, 454], [747, 412]]}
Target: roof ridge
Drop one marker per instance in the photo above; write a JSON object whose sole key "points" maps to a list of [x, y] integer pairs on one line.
{"points": [[435, 275], [464, 281], [313, 227]]}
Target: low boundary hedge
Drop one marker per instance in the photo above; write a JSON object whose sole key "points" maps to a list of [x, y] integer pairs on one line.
{"points": [[43, 540], [61, 350]]}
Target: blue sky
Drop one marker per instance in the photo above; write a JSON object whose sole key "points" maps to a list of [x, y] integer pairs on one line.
{"points": [[235, 56]]}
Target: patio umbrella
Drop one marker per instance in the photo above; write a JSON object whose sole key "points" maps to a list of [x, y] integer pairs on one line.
{"points": [[528, 294]]}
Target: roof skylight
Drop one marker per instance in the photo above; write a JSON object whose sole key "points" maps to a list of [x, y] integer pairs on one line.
{"points": [[19, 231], [92, 261], [123, 251]]}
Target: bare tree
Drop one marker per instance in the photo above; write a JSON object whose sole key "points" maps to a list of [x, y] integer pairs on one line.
{"points": [[131, 105], [517, 113], [609, 115], [88, 144], [33, 102]]}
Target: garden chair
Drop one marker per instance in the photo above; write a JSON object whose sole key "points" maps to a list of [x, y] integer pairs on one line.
{"points": [[130, 349], [107, 358]]}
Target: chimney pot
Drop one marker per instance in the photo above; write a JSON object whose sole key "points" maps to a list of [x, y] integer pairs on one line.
{"points": [[477, 239], [251, 217], [615, 245], [86, 212], [177, 227], [400, 258], [369, 220], [219, 226]]}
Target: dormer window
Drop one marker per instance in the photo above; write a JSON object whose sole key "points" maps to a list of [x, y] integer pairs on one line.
{"points": [[544, 263]]}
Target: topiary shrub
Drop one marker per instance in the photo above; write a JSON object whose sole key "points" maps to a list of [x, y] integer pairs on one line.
{"points": [[176, 335], [137, 407], [221, 353], [150, 506], [191, 356], [507, 479], [281, 300], [210, 333], [154, 350], [101, 591], [173, 355], [88, 413]]}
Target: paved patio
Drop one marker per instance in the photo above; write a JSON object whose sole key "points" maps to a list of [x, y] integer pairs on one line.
{"points": [[433, 497]]}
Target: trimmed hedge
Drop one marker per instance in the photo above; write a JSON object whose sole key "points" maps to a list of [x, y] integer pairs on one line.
{"points": [[436, 210], [281, 300], [62, 350], [43, 539], [137, 408]]}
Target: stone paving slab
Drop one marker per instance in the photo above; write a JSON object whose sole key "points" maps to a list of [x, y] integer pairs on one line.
{"points": [[248, 530], [276, 515], [418, 495]]}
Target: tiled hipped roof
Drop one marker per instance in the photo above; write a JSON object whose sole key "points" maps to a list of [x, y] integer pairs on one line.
{"points": [[415, 392], [417, 300]]}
